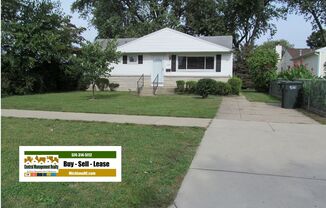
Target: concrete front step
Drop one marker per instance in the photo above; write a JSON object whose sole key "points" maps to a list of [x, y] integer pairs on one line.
{"points": [[146, 91]]}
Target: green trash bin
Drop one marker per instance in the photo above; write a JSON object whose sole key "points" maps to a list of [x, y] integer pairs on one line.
{"points": [[291, 93]]}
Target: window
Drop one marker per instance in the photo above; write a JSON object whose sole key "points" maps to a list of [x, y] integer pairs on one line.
{"points": [[132, 59], [173, 63], [209, 62], [182, 62], [140, 59], [124, 59], [194, 62], [218, 63]]}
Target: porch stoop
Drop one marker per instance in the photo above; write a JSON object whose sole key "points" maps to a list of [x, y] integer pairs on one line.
{"points": [[146, 91]]}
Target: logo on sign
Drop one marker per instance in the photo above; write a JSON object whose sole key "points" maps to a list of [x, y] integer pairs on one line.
{"points": [[70, 163]]}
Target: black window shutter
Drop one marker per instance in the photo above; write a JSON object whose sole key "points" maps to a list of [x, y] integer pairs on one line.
{"points": [[140, 59], [173, 63], [218, 63], [124, 59]]}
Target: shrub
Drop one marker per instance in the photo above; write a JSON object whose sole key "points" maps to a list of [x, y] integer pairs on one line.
{"points": [[102, 83], [191, 86], [223, 88], [206, 87], [180, 86], [113, 86], [236, 84], [262, 67], [297, 72]]}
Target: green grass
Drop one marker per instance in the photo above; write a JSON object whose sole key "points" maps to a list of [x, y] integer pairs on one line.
{"points": [[118, 103], [154, 162], [253, 96]]}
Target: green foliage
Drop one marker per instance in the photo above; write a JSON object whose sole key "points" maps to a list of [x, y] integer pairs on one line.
{"points": [[37, 44], [296, 72], [94, 61], [223, 88], [262, 67], [102, 83], [180, 86], [113, 86], [315, 40], [130, 18], [236, 84], [273, 43], [244, 20], [314, 12], [206, 87], [191, 86]]}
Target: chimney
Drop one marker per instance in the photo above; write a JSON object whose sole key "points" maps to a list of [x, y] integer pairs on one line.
{"points": [[300, 52], [279, 51]]}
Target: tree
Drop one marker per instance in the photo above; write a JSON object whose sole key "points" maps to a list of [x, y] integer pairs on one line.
{"points": [[315, 40], [128, 18], [37, 44], [314, 10], [245, 20], [273, 43], [94, 61], [262, 67]]}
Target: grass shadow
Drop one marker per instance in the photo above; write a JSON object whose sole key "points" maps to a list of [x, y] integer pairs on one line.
{"points": [[109, 95]]}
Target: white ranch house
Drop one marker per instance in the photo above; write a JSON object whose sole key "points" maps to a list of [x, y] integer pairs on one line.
{"points": [[167, 55]]}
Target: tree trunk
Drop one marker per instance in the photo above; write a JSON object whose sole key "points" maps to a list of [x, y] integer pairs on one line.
{"points": [[319, 25], [93, 89]]}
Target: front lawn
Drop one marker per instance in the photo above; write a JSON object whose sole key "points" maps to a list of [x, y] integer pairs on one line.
{"points": [[154, 162], [118, 103], [254, 96]]}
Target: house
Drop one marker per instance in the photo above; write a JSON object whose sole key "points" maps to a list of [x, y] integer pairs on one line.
{"points": [[314, 61], [286, 57], [165, 56]]}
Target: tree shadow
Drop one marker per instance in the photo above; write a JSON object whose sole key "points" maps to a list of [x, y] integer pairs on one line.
{"points": [[109, 95]]}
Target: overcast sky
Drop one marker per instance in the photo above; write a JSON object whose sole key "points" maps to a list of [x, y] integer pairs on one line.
{"points": [[295, 29]]}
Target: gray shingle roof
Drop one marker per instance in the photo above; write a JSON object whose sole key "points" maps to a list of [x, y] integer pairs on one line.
{"points": [[225, 41]]}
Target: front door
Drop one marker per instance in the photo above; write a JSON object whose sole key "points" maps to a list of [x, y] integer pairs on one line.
{"points": [[158, 69]]}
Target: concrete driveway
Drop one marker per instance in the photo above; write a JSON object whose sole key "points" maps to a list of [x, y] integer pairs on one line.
{"points": [[255, 155]]}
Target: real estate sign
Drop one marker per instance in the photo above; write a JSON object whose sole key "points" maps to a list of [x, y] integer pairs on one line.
{"points": [[70, 163]]}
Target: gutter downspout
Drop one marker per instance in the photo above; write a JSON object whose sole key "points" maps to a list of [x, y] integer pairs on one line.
{"points": [[318, 64]]}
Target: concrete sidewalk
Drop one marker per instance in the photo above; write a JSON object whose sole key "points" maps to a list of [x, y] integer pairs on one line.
{"points": [[112, 118], [255, 158], [239, 108]]}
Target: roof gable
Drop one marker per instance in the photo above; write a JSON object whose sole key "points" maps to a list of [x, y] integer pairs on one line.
{"points": [[168, 40], [225, 41], [297, 52]]}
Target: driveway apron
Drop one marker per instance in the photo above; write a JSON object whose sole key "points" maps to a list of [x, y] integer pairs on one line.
{"points": [[257, 155]]}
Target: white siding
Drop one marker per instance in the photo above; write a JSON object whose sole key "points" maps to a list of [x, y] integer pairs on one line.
{"points": [[285, 62], [312, 62], [136, 69], [322, 64]]}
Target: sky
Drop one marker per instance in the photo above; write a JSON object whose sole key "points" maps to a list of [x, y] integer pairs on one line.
{"points": [[295, 29]]}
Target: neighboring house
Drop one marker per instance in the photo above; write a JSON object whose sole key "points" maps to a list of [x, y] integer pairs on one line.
{"points": [[170, 55], [286, 57], [314, 61]]}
